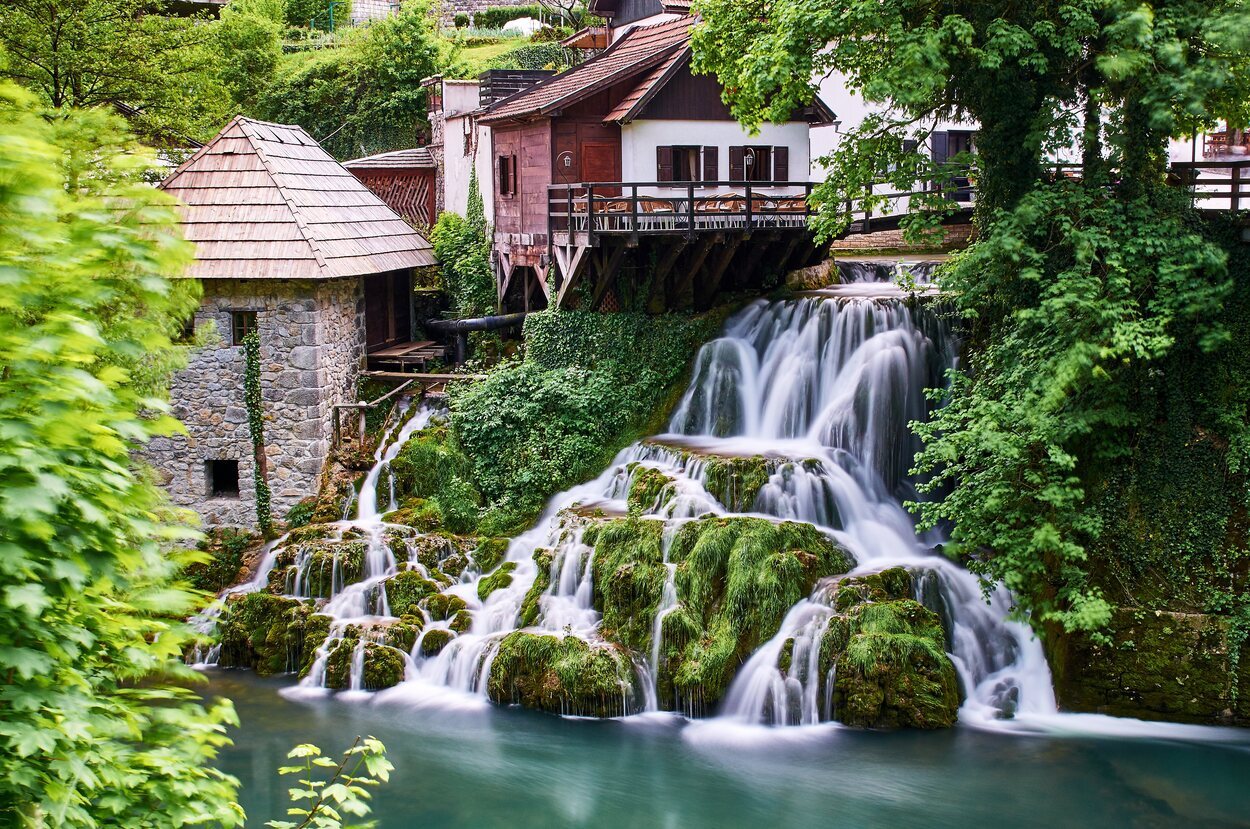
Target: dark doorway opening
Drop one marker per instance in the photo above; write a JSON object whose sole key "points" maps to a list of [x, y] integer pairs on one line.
{"points": [[223, 478]]}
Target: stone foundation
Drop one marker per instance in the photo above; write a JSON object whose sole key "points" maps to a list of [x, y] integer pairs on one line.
{"points": [[312, 338], [955, 236]]}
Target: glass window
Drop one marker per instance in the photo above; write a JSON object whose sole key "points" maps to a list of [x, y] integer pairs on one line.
{"points": [[242, 323]]}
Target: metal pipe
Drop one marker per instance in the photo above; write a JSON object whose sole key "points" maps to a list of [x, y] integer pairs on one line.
{"points": [[461, 328]]}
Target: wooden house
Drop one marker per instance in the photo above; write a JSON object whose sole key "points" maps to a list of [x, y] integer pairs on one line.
{"points": [[404, 179], [630, 168], [293, 246]]}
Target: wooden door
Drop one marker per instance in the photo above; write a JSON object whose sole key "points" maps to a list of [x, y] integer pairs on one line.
{"points": [[601, 161]]}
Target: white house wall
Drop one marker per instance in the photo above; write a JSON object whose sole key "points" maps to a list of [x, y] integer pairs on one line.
{"points": [[460, 100], [640, 138]]}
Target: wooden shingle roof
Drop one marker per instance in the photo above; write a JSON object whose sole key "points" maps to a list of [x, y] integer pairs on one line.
{"points": [[265, 201], [415, 158], [641, 49]]}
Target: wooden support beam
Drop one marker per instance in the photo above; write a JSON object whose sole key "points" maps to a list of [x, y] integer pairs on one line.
{"points": [[786, 250], [609, 266], [683, 294], [571, 268], [715, 271], [504, 277], [757, 247]]}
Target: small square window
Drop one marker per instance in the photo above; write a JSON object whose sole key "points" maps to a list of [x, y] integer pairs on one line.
{"points": [[242, 323], [223, 478]]}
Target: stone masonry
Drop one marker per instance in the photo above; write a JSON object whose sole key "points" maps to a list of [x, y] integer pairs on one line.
{"points": [[312, 336]]}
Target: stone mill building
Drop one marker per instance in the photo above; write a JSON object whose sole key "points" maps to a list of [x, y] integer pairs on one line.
{"points": [[291, 244]]}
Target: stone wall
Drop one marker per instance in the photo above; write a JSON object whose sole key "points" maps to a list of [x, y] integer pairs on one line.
{"points": [[363, 10], [1158, 666], [450, 8], [955, 236], [312, 342]]}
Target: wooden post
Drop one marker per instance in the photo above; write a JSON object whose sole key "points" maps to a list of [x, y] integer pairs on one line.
{"points": [[1236, 194], [590, 215], [750, 208], [690, 206]]}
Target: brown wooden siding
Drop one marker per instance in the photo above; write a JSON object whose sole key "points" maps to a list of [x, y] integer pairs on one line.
{"points": [[526, 210], [410, 193], [692, 98]]}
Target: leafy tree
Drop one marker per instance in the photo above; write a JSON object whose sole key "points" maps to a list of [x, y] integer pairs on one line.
{"points": [[249, 36], [98, 728], [1079, 292], [463, 246], [364, 96], [86, 53]]}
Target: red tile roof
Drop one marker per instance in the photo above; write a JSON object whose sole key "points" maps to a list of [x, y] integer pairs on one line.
{"points": [[265, 201], [641, 49]]}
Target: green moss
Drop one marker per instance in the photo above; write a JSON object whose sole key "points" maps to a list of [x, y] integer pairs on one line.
{"points": [[646, 488], [530, 606], [383, 667], [462, 621], [264, 632], [561, 675], [497, 580], [421, 514], [886, 652], [490, 552], [402, 635], [443, 606], [628, 579], [432, 469], [322, 557], [442, 553], [894, 583], [225, 550], [736, 482], [435, 640], [302, 513], [404, 591], [736, 578]]}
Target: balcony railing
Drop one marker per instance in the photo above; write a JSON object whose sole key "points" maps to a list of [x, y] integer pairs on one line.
{"points": [[668, 208]]}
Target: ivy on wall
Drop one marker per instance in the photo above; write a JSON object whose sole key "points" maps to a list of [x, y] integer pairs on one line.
{"points": [[256, 427]]}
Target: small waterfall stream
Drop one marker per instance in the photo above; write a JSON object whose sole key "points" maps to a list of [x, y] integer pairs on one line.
{"points": [[824, 386]]}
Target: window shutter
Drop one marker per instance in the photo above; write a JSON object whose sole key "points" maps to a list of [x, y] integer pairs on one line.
{"points": [[512, 177], [737, 164], [781, 163], [910, 145], [663, 163], [940, 142], [711, 163]]}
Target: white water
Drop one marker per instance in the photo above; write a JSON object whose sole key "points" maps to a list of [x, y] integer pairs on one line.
{"points": [[825, 386]]}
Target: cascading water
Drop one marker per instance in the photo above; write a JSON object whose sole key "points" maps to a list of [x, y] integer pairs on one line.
{"points": [[823, 388]]}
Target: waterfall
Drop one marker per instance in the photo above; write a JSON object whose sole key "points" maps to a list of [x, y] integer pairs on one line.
{"points": [[820, 390]]}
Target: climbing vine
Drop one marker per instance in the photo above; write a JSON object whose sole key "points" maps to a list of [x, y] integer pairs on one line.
{"points": [[256, 426]]}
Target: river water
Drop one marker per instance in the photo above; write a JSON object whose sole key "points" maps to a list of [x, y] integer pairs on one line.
{"points": [[486, 767]]}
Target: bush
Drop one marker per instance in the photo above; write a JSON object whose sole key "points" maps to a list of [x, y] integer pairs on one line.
{"points": [[496, 16], [588, 384], [463, 246]]}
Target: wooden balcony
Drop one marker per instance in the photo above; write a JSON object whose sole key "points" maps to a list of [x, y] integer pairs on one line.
{"points": [[577, 214]]}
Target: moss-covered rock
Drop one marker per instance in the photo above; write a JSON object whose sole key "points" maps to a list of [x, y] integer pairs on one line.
{"points": [[383, 667], [431, 468], [647, 485], [383, 664], [735, 579], [1158, 666], [489, 553], [561, 675], [406, 589], [893, 672], [312, 568], [736, 482], [497, 580], [433, 642], [442, 606], [886, 654], [531, 605], [265, 632]]}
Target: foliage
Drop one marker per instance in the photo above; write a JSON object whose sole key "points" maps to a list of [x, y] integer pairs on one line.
{"points": [[341, 796], [364, 96], [431, 468], [1087, 293], [561, 675], [496, 16], [249, 37], [256, 429], [463, 247], [98, 729], [225, 549], [588, 384], [1031, 75], [86, 53]]}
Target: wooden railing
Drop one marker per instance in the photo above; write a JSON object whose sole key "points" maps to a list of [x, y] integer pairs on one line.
{"points": [[668, 208], [1220, 186]]}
